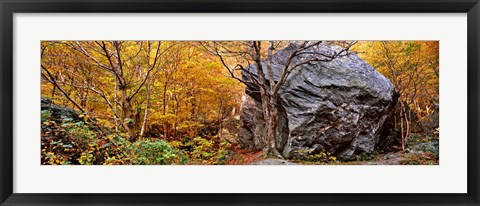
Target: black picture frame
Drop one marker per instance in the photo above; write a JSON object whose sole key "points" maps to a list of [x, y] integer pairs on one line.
{"points": [[10, 7]]}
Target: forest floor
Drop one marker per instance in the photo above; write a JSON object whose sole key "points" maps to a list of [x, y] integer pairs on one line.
{"points": [[397, 158], [69, 139], [387, 159], [245, 157], [420, 149]]}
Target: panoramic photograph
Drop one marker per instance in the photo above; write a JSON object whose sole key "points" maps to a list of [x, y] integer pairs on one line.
{"points": [[239, 102]]}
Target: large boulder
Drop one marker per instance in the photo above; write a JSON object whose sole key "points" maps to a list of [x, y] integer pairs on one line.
{"points": [[338, 106]]}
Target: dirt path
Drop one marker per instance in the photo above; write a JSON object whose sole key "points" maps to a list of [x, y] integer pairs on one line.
{"points": [[387, 159], [271, 161]]}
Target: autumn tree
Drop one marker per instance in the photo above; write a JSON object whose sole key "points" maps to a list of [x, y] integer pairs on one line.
{"points": [[137, 87], [130, 65]]}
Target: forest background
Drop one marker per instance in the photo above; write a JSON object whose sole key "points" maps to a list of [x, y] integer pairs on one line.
{"points": [[168, 102]]}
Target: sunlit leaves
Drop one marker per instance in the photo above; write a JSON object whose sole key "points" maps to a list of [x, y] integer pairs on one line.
{"points": [[187, 83]]}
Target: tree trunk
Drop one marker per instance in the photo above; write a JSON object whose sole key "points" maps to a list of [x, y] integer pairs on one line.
{"points": [[53, 91], [270, 114], [268, 102], [115, 102], [220, 118], [164, 96], [127, 112], [142, 131], [175, 112], [271, 129], [405, 128], [408, 122]]}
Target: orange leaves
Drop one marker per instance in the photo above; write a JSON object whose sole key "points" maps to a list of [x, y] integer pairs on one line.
{"points": [[412, 66]]}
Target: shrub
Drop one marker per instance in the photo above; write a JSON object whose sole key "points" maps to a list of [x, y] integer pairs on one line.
{"points": [[223, 152], [205, 151], [419, 159], [79, 131], [46, 115], [158, 152], [422, 149], [202, 148], [314, 157], [365, 156], [423, 144]]}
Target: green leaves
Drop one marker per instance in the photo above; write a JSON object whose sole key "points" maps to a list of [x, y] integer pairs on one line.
{"points": [[46, 115], [127, 121], [155, 152]]}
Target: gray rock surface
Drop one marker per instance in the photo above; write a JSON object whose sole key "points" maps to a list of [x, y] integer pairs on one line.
{"points": [[338, 106], [59, 113], [272, 161]]}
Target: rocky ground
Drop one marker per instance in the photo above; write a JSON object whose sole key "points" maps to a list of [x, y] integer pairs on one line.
{"points": [[384, 159], [420, 151], [387, 159]]}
